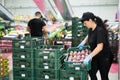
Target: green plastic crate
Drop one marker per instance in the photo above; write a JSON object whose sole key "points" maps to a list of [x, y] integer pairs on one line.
{"points": [[23, 73], [60, 48], [37, 42], [49, 63], [73, 75], [49, 74], [48, 54], [22, 43], [23, 63], [76, 65], [22, 53]]}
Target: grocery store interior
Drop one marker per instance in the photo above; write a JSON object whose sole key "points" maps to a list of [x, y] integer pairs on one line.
{"points": [[23, 57]]}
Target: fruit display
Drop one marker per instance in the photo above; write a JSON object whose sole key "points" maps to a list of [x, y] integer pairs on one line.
{"points": [[75, 57], [3, 66], [5, 46]]}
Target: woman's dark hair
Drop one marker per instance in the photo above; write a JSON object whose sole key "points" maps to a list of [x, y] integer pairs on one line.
{"points": [[89, 15], [99, 22]]}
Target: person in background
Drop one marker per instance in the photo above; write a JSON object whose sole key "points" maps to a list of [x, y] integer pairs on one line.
{"points": [[39, 15], [37, 26], [105, 22], [101, 56]]}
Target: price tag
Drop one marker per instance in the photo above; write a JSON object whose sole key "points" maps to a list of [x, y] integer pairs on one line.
{"points": [[22, 56], [22, 47], [46, 67], [46, 77], [22, 66], [77, 68], [45, 63], [22, 75], [71, 78], [45, 57]]}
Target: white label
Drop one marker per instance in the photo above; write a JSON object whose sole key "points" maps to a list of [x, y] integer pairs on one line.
{"points": [[71, 78], [46, 67], [45, 63], [22, 75], [46, 77], [22, 56], [77, 68], [22, 66], [22, 47], [45, 57]]}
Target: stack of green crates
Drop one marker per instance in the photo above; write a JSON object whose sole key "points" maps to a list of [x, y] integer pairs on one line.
{"points": [[23, 56], [48, 61], [78, 31], [23, 65], [74, 70]]}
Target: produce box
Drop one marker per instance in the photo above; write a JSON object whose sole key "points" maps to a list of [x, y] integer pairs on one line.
{"points": [[22, 53], [23, 63], [49, 74], [73, 75], [75, 57], [48, 54], [23, 73], [5, 63], [32, 42], [22, 44], [49, 63]]}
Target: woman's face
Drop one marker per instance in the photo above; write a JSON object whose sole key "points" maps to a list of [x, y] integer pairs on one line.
{"points": [[88, 23]]}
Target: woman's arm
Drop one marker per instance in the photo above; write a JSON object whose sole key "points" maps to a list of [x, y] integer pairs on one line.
{"points": [[44, 29], [85, 39], [28, 29]]}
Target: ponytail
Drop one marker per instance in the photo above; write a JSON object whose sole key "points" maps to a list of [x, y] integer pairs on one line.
{"points": [[99, 22]]}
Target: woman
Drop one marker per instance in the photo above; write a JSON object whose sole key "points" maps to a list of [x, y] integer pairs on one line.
{"points": [[101, 55]]}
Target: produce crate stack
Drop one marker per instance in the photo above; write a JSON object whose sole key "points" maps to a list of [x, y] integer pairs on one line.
{"points": [[5, 57], [48, 61], [23, 65], [74, 68], [78, 31], [114, 44], [3, 67]]}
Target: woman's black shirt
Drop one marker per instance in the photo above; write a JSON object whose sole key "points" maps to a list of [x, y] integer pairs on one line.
{"points": [[99, 35]]}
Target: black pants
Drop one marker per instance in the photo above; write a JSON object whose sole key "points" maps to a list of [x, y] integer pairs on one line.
{"points": [[102, 64]]}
